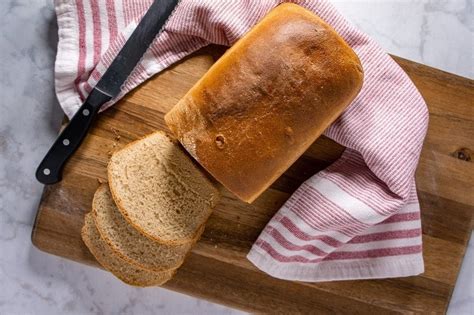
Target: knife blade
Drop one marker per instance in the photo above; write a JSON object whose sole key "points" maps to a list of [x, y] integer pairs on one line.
{"points": [[109, 86]]}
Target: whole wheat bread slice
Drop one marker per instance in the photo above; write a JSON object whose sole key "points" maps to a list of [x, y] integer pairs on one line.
{"points": [[119, 267], [129, 243], [160, 190]]}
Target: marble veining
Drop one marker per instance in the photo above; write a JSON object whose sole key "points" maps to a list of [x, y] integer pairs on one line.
{"points": [[438, 33]]}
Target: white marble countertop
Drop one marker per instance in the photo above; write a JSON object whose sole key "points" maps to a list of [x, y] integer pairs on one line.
{"points": [[437, 33]]}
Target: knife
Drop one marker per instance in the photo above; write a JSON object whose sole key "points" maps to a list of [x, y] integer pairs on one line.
{"points": [[50, 169]]}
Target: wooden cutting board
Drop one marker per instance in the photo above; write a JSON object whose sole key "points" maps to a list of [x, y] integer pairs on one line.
{"points": [[217, 269]]}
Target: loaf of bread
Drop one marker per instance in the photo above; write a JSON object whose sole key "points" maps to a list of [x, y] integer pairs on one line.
{"points": [[128, 243], [267, 99], [129, 274], [160, 190]]}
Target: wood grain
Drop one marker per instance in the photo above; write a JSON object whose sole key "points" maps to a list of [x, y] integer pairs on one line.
{"points": [[217, 269]]}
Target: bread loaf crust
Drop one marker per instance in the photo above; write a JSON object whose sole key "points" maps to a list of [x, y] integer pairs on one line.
{"points": [[267, 99]]}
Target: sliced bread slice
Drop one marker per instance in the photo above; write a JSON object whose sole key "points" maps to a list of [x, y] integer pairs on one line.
{"points": [[120, 268], [160, 190], [130, 244]]}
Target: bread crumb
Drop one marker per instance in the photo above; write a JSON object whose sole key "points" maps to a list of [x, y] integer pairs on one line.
{"points": [[113, 149], [116, 133]]}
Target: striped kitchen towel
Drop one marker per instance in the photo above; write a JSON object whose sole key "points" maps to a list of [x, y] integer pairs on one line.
{"points": [[360, 217]]}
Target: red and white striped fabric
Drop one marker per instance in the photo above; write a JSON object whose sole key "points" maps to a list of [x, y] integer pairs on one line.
{"points": [[360, 217]]}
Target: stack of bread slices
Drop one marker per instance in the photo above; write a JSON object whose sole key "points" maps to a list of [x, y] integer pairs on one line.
{"points": [[145, 221]]}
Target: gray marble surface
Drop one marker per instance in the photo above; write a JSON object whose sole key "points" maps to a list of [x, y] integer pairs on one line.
{"points": [[437, 33]]}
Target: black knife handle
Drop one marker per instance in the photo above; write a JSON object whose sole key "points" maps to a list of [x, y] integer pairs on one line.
{"points": [[50, 169]]}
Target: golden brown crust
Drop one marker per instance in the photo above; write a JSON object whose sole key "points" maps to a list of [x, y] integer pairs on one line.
{"points": [[264, 102]]}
